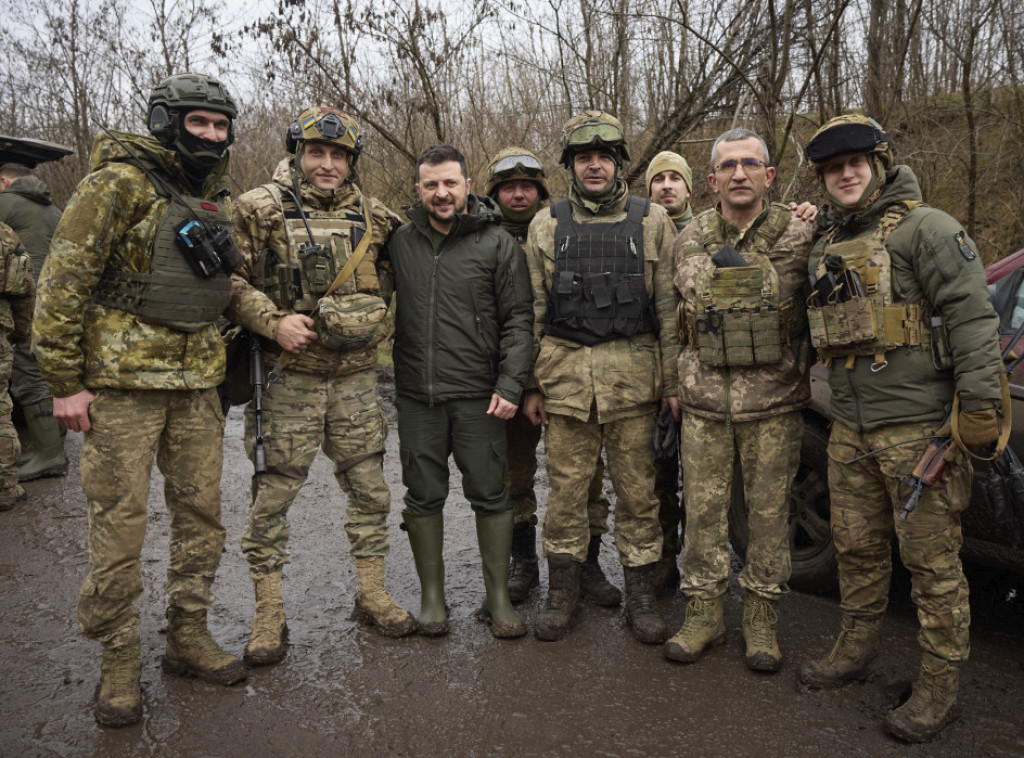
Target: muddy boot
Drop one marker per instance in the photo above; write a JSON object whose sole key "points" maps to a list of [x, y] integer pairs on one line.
{"points": [[563, 596], [930, 706], [494, 533], [426, 537], [47, 436], [269, 631], [593, 584], [666, 576], [851, 657], [374, 604], [703, 627], [191, 650], [11, 496], [641, 608], [524, 574], [118, 698], [759, 621]]}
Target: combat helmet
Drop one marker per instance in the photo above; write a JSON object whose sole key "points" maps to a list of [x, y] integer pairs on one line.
{"points": [[516, 163], [324, 124], [847, 135], [593, 129], [176, 95]]}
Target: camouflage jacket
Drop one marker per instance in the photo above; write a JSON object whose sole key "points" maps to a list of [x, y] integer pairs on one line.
{"points": [[110, 222], [17, 283], [745, 393], [933, 261], [261, 235], [26, 207], [624, 377]]}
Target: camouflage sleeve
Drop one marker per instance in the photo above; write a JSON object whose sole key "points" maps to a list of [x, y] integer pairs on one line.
{"points": [[952, 277], [19, 288], [540, 258], [666, 301], [259, 228], [99, 215], [385, 223]]}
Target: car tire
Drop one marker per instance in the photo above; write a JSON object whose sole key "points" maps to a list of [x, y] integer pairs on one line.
{"points": [[810, 533]]}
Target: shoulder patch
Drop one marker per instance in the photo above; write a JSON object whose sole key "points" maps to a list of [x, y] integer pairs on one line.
{"points": [[963, 244]]}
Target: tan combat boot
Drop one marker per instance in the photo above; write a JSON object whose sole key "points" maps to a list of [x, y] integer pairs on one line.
{"points": [[930, 706], [850, 659], [118, 698], [269, 630], [191, 651], [374, 604], [703, 627], [759, 620]]}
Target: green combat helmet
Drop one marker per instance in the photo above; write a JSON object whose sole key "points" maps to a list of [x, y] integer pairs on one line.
{"points": [[176, 95], [853, 134], [593, 129], [516, 163], [322, 124]]}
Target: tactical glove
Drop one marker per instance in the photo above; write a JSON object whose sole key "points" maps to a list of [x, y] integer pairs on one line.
{"points": [[979, 430]]}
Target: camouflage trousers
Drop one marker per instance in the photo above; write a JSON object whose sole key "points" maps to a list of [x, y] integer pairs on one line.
{"points": [[27, 385], [769, 453], [184, 430], [301, 413], [523, 438], [573, 448], [867, 498], [10, 447]]}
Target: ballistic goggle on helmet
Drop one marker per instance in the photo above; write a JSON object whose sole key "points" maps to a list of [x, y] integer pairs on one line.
{"points": [[176, 95], [324, 124], [593, 130], [851, 134], [516, 163]]}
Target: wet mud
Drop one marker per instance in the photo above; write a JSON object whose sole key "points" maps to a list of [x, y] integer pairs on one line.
{"points": [[345, 690]]}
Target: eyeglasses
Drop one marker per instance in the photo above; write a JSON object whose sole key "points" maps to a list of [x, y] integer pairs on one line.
{"points": [[749, 164], [527, 164]]}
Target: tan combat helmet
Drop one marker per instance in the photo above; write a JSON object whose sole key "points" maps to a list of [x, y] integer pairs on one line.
{"points": [[324, 124], [848, 135], [590, 130], [516, 163]]}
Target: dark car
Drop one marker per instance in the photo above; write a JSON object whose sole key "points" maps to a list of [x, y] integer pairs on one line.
{"points": [[986, 541]]}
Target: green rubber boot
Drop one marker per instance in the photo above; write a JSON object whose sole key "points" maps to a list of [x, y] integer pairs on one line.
{"points": [[494, 533], [47, 436], [426, 537]]}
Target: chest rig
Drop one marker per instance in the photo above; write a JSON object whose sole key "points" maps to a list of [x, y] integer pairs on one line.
{"points": [[738, 318], [864, 320], [171, 294], [598, 292]]}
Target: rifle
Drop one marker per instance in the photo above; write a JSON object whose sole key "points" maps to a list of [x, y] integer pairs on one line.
{"points": [[259, 457]]}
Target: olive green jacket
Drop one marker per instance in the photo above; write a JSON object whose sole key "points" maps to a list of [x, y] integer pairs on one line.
{"points": [[934, 261], [110, 222], [26, 207]]}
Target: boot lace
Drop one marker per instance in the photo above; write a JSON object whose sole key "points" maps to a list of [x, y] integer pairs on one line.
{"points": [[762, 623]]}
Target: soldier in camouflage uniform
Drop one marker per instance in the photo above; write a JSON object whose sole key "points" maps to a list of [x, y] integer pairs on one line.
{"points": [[600, 267], [25, 205], [517, 183], [927, 351], [16, 291], [125, 335], [743, 371], [311, 224]]}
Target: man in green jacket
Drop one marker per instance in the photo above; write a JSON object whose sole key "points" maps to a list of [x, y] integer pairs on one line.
{"points": [[462, 353], [928, 356], [26, 207], [125, 334]]}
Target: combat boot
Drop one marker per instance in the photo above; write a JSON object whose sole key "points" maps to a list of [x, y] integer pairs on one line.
{"points": [[930, 706], [641, 608], [191, 651], [374, 604], [494, 534], [269, 630], [703, 627], [851, 657], [563, 596], [118, 697], [11, 496], [759, 621], [426, 537], [524, 573], [47, 437], [593, 584]]}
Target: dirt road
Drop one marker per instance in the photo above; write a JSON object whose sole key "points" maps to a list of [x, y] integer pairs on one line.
{"points": [[344, 690]]}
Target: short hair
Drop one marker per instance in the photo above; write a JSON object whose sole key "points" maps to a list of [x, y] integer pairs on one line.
{"points": [[736, 135], [14, 170], [436, 154]]}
